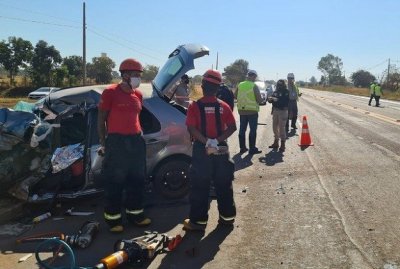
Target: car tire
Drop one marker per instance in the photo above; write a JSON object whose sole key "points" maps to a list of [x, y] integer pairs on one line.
{"points": [[172, 179]]}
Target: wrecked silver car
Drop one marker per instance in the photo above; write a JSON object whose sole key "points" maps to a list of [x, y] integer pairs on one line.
{"points": [[51, 152]]}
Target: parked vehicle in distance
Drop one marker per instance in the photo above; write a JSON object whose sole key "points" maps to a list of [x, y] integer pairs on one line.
{"points": [[42, 92]]}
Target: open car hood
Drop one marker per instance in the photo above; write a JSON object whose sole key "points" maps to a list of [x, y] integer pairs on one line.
{"points": [[180, 61]]}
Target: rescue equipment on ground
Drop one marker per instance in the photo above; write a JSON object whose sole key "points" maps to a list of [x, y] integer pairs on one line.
{"points": [[82, 239], [139, 249], [41, 217], [305, 138]]}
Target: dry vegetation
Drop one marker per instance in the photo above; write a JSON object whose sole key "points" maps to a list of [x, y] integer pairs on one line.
{"points": [[358, 91]]}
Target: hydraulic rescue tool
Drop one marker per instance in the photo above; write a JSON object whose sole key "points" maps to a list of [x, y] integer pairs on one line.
{"points": [[82, 239], [139, 249]]}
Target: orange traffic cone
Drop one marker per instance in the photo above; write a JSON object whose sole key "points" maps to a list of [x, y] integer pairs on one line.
{"points": [[305, 138]]}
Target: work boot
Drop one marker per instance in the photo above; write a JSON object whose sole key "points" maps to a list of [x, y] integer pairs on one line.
{"points": [[369, 104], [275, 145], [252, 143], [190, 226], [142, 222], [282, 148], [242, 144], [293, 125], [117, 229]]}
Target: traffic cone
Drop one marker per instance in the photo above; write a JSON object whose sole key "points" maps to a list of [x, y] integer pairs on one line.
{"points": [[305, 138]]}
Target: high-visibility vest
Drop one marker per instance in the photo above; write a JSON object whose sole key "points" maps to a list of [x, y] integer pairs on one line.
{"points": [[296, 89], [378, 90], [372, 88], [246, 99]]}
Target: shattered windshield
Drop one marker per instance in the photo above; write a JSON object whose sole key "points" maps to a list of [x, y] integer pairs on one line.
{"points": [[168, 72]]}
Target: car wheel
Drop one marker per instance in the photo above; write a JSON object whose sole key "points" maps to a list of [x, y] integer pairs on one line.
{"points": [[171, 179]]}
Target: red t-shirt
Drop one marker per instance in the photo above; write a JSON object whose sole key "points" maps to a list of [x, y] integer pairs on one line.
{"points": [[193, 116], [123, 110]]}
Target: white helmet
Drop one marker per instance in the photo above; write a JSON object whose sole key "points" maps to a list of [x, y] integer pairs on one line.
{"points": [[290, 75], [252, 72]]}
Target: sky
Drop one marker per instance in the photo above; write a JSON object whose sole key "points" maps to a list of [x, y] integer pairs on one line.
{"points": [[275, 37]]}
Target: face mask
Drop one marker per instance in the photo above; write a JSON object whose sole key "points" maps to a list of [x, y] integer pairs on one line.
{"points": [[135, 82]]}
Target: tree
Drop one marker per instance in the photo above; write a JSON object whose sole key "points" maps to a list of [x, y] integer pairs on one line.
{"points": [[236, 72], [149, 72], [15, 54], [59, 74], [100, 69], [392, 81], [313, 81], [362, 78], [74, 65], [44, 61], [331, 66]]}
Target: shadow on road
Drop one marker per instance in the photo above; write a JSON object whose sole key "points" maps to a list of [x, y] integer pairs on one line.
{"points": [[240, 162], [272, 157]]}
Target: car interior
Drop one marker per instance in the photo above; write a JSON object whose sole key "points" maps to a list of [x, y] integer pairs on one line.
{"points": [[79, 128]]}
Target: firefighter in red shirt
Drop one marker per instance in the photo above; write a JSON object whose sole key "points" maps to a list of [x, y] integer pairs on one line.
{"points": [[123, 147], [210, 121]]}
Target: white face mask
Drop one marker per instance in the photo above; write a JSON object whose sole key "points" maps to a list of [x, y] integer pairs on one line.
{"points": [[135, 82]]}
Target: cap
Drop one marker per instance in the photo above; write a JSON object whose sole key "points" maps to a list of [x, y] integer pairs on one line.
{"points": [[252, 72], [290, 75]]}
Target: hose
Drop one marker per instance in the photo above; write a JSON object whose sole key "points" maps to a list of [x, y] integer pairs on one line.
{"points": [[50, 244]]}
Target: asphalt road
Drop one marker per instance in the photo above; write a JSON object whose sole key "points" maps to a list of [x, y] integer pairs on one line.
{"points": [[330, 205]]}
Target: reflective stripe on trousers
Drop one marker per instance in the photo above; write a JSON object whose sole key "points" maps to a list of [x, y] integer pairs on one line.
{"points": [[134, 212], [112, 217]]}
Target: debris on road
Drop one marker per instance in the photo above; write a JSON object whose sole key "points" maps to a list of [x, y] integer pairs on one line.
{"points": [[24, 258]]}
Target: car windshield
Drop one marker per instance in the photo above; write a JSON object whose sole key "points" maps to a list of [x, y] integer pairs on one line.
{"points": [[168, 72], [44, 89]]}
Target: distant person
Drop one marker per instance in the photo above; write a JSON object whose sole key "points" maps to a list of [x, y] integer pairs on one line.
{"points": [[371, 92], [123, 147], [376, 93], [248, 104], [294, 94], [226, 95], [280, 103], [181, 92]]}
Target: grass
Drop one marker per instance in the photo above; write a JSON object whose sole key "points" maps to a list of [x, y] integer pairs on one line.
{"points": [[357, 91]]}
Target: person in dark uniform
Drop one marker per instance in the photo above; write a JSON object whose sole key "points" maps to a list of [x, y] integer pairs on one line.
{"points": [[280, 103], [123, 147], [226, 95], [210, 122]]}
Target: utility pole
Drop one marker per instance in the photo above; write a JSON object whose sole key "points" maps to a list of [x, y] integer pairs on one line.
{"points": [[216, 66], [387, 79], [84, 44]]}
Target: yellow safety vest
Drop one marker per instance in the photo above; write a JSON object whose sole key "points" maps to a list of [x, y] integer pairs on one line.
{"points": [[246, 99], [372, 88], [378, 90]]}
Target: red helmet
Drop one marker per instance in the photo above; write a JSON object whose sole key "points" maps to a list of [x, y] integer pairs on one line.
{"points": [[131, 65], [213, 76]]}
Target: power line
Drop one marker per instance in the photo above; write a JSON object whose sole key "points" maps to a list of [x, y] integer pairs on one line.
{"points": [[40, 13], [376, 65], [123, 38], [40, 22], [123, 45]]}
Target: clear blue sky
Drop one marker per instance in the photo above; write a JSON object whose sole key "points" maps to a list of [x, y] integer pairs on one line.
{"points": [[275, 37]]}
